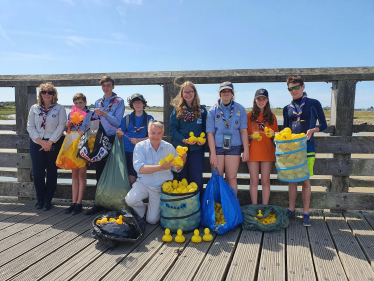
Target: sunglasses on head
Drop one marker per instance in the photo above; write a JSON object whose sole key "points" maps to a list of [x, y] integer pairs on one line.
{"points": [[294, 88], [47, 92]]}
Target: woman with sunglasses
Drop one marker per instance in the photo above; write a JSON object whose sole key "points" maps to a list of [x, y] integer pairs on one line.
{"points": [[45, 126], [226, 127], [189, 116]]}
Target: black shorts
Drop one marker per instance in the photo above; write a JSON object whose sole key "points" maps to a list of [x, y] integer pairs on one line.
{"points": [[234, 150]]}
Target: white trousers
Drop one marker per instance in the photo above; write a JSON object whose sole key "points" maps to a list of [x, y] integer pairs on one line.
{"points": [[135, 199]]}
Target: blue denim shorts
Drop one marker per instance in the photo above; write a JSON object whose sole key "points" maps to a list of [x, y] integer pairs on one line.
{"points": [[234, 150]]}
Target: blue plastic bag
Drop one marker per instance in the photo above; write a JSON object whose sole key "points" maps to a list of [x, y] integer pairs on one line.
{"points": [[219, 191]]}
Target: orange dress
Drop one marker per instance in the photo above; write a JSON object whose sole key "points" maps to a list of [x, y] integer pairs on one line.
{"points": [[263, 150]]}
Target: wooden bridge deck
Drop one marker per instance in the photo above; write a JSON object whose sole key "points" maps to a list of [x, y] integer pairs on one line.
{"points": [[37, 245]]}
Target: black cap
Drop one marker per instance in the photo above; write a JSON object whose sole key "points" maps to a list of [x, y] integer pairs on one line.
{"points": [[137, 97], [261, 93]]}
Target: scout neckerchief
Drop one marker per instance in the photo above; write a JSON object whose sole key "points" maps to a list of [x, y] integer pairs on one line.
{"points": [[145, 117], [188, 115], [223, 117], [44, 113], [112, 99], [298, 114], [86, 109]]}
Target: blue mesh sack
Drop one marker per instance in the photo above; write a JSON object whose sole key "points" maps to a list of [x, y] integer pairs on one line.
{"points": [[180, 211], [217, 190], [291, 160]]}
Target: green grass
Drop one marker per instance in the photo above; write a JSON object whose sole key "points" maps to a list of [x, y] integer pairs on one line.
{"points": [[6, 110]]}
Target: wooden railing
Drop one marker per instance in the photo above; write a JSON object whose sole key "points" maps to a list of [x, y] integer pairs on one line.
{"points": [[340, 143]]}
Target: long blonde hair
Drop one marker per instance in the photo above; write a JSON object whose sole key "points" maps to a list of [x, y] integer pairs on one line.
{"points": [[180, 104], [49, 87]]}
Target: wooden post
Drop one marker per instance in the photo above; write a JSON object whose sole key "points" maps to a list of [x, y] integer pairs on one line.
{"points": [[342, 111], [170, 91], [25, 97]]}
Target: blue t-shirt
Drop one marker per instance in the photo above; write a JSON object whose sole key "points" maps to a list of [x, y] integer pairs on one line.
{"points": [[132, 131]]}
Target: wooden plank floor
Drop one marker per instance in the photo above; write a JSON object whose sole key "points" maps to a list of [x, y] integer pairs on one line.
{"points": [[37, 245]]}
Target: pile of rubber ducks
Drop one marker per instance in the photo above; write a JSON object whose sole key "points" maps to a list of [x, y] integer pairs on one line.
{"points": [[118, 220], [220, 219], [179, 186], [180, 238], [299, 173], [271, 218], [286, 134], [267, 131], [200, 139]]}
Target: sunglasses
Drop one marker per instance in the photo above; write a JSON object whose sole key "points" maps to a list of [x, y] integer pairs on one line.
{"points": [[294, 88], [49, 93]]}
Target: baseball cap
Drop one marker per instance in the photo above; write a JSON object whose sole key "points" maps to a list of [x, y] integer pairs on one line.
{"points": [[226, 85], [137, 96], [261, 93]]}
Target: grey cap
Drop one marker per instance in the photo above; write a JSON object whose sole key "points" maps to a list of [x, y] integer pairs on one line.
{"points": [[137, 96], [226, 85], [261, 93]]}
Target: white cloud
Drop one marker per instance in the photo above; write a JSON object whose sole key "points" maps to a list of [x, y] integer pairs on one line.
{"points": [[136, 2], [122, 13], [70, 2], [5, 36]]}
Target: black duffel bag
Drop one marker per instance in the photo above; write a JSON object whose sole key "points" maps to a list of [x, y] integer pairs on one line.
{"points": [[131, 230]]}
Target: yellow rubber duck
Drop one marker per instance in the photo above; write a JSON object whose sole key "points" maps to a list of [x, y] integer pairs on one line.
{"points": [[175, 184], [181, 150], [112, 219], [103, 220], [166, 187], [255, 135], [180, 238], [196, 237], [260, 215], [192, 137], [167, 237], [201, 139], [178, 161], [259, 138], [167, 159], [207, 236], [184, 182], [119, 221]]}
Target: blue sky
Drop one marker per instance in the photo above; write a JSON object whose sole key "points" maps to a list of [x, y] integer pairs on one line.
{"points": [[97, 36]]}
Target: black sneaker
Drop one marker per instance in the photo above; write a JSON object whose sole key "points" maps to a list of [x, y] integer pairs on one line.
{"points": [[70, 209], [290, 214], [47, 206], [39, 205], [77, 209]]}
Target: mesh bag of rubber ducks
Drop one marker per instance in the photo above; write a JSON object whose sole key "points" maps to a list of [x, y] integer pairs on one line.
{"points": [[291, 156], [180, 205], [220, 208], [264, 217], [120, 226]]}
